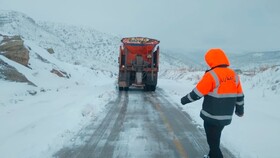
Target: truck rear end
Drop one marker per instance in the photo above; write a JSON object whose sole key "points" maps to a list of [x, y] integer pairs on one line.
{"points": [[138, 63]]}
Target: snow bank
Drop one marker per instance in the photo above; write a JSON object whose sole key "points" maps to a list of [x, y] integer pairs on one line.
{"points": [[37, 125]]}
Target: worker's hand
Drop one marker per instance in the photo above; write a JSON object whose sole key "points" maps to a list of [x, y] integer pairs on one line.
{"points": [[239, 110], [184, 100], [239, 114]]}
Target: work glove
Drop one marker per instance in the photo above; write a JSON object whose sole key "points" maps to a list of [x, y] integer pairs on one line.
{"points": [[239, 114], [185, 100], [239, 110]]}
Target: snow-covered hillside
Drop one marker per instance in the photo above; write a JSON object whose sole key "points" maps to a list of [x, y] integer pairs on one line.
{"points": [[37, 118], [57, 107], [76, 45], [73, 44], [86, 46]]}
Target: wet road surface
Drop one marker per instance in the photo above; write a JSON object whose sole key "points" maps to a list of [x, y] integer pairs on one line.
{"points": [[140, 125]]}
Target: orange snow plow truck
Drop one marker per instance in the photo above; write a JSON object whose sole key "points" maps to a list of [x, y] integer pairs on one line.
{"points": [[138, 63]]}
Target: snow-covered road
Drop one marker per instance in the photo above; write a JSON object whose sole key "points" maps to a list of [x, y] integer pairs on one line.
{"points": [[140, 124]]}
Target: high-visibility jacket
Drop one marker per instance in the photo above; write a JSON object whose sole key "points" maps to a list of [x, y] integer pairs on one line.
{"points": [[221, 88]]}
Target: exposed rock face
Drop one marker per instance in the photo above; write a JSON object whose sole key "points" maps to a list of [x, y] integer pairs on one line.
{"points": [[60, 73], [14, 49], [9, 73], [50, 50]]}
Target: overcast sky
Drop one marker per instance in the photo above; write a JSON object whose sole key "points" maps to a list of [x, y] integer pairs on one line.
{"points": [[187, 25]]}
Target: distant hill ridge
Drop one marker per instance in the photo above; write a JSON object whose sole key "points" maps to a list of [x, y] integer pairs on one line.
{"points": [[88, 47], [256, 59]]}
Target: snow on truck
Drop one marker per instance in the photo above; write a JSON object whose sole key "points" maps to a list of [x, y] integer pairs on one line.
{"points": [[138, 63]]}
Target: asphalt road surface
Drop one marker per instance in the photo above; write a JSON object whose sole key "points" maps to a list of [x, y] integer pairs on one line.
{"points": [[140, 125]]}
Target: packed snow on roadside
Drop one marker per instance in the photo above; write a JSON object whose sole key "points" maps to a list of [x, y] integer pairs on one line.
{"points": [[39, 120]]}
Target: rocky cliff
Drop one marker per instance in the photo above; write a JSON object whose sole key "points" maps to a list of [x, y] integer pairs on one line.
{"points": [[13, 48]]}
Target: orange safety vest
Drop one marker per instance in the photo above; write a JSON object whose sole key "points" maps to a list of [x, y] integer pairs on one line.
{"points": [[221, 88]]}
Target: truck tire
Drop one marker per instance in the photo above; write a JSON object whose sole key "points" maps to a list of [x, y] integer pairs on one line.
{"points": [[149, 88], [146, 88], [152, 88]]}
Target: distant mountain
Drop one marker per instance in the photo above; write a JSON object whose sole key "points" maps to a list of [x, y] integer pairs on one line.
{"points": [[193, 59], [246, 60], [256, 59]]}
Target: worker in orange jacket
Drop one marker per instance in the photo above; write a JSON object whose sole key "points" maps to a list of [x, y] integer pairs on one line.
{"points": [[221, 88]]}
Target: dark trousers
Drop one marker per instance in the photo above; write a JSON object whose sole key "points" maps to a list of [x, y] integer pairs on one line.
{"points": [[213, 135]]}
